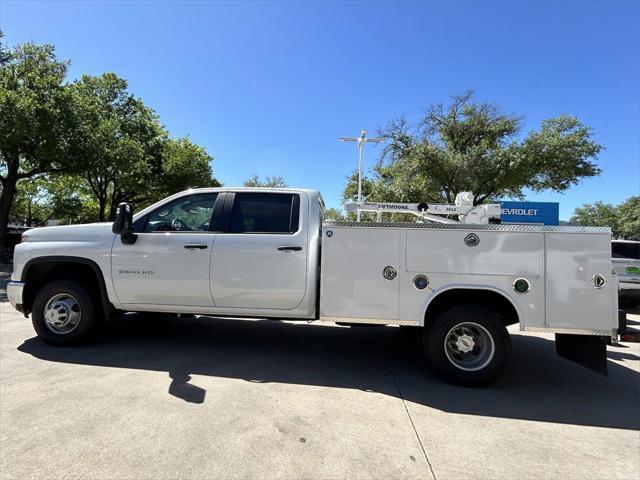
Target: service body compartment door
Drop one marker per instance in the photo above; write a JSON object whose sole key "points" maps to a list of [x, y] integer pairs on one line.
{"points": [[353, 261], [497, 253], [572, 262]]}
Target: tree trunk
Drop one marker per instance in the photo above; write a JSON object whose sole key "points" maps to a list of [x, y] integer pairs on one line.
{"points": [[113, 208], [112, 213], [102, 202], [29, 220], [6, 200]]}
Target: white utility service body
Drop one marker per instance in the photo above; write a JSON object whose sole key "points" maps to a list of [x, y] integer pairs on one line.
{"points": [[266, 253], [558, 262]]}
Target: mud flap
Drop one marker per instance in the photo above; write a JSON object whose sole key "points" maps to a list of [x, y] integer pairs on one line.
{"points": [[587, 350]]}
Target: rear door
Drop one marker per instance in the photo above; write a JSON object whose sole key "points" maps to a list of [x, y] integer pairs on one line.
{"points": [[260, 257]]}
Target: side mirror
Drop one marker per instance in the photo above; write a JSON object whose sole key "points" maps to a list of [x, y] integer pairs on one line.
{"points": [[123, 224]]}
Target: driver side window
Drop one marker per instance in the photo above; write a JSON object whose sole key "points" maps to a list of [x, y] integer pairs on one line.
{"points": [[185, 214]]}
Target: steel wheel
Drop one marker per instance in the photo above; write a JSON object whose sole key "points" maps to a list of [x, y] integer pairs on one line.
{"points": [[469, 346], [62, 313]]}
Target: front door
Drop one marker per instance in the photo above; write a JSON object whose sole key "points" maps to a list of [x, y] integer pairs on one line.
{"points": [[169, 262], [260, 261]]}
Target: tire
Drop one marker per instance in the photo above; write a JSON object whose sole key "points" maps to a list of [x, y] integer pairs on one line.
{"points": [[446, 340], [74, 315]]}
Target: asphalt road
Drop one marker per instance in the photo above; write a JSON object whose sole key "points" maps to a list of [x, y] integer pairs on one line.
{"points": [[209, 398]]}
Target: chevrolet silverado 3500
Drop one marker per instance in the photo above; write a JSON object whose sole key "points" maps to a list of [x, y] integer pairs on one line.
{"points": [[267, 253]]}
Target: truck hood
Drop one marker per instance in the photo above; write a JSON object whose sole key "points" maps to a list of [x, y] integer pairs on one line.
{"points": [[70, 233]]}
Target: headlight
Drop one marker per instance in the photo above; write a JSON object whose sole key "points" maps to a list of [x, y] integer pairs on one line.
{"points": [[24, 238]]}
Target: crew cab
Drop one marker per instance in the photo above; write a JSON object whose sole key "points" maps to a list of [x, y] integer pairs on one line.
{"points": [[266, 253]]}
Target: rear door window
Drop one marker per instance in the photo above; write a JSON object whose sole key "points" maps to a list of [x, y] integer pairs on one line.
{"points": [[265, 213]]}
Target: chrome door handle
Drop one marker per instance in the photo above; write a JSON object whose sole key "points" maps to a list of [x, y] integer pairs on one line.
{"points": [[196, 246], [285, 248]]}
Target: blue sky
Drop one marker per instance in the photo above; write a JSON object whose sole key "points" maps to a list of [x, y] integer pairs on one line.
{"points": [[267, 87]]}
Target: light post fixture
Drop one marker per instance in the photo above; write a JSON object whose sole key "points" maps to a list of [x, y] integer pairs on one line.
{"points": [[362, 139]]}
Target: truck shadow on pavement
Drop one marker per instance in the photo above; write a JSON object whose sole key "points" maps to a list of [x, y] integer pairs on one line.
{"points": [[537, 386]]}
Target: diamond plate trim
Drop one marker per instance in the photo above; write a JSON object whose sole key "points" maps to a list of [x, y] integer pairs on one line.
{"points": [[574, 331], [463, 226], [372, 321]]}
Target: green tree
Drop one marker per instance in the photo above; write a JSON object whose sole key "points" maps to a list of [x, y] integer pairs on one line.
{"points": [[597, 214], [74, 151], [70, 199], [34, 120], [335, 215], [119, 139], [31, 205], [271, 182], [5, 55], [59, 197], [383, 186], [475, 147], [629, 219], [127, 155], [184, 165], [623, 219]]}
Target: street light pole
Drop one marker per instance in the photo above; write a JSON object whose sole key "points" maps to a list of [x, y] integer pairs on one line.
{"points": [[360, 152], [362, 139]]}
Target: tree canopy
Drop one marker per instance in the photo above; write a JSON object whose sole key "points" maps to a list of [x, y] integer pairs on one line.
{"points": [[118, 138], [624, 219], [335, 215], [271, 182], [34, 119], [127, 155], [75, 150], [476, 147]]}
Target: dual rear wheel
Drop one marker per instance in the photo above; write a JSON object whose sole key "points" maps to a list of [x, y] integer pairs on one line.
{"points": [[467, 345]]}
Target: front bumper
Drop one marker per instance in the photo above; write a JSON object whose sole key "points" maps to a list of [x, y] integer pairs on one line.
{"points": [[14, 293]]}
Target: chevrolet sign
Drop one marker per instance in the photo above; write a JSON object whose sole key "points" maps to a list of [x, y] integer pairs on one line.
{"points": [[520, 211], [545, 213]]}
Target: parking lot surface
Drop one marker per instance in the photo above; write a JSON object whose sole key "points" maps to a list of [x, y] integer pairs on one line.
{"points": [[161, 398]]}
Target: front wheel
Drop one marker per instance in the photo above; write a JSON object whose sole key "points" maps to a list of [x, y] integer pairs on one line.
{"points": [[467, 345], [64, 313]]}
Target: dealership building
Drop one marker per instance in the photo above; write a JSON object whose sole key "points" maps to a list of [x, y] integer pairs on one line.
{"points": [[538, 213]]}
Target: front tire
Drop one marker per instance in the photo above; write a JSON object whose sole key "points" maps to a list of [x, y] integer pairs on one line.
{"points": [[65, 313], [467, 345]]}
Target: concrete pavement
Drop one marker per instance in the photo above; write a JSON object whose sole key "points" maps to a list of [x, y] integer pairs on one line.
{"points": [[209, 398]]}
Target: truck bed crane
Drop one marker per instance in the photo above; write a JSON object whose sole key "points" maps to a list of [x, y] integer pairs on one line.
{"points": [[434, 212]]}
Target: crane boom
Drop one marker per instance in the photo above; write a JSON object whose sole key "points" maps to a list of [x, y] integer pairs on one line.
{"points": [[435, 212]]}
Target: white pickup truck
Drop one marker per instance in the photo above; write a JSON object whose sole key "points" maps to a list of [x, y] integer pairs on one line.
{"points": [[266, 253]]}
